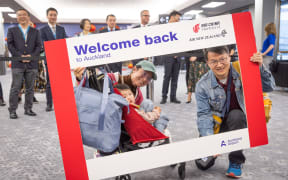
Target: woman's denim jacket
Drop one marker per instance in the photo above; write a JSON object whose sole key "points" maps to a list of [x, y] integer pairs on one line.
{"points": [[211, 96]]}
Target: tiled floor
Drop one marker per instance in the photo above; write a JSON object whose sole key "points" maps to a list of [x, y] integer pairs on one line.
{"points": [[29, 147]]}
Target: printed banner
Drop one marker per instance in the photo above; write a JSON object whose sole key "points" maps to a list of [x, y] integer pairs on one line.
{"points": [[66, 54]]}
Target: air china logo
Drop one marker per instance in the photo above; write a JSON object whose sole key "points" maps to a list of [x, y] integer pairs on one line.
{"points": [[230, 142], [196, 28]]}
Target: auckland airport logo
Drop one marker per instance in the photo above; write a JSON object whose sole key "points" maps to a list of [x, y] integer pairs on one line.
{"points": [[230, 142]]}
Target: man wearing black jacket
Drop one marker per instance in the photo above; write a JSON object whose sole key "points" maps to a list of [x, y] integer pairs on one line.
{"points": [[23, 41], [171, 69]]}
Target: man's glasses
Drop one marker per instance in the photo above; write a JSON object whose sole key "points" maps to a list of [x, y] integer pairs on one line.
{"points": [[215, 62]]}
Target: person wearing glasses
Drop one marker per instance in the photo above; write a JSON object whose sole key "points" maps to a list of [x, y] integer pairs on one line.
{"points": [[219, 93]]}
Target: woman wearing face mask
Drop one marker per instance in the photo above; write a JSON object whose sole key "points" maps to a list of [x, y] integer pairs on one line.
{"points": [[142, 73]]}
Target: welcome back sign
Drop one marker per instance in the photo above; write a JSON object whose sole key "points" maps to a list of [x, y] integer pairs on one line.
{"points": [[66, 54]]}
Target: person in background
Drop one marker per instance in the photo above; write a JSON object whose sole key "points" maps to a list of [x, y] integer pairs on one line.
{"points": [[197, 69], [171, 69], [31, 24], [85, 25], [23, 41], [145, 18], [111, 26], [269, 44], [50, 32]]}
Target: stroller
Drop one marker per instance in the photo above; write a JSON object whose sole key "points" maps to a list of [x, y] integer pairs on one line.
{"points": [[125, 144]]}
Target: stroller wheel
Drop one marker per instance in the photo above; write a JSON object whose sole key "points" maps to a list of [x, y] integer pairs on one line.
{"points": [[182, 171], [123, 177]]}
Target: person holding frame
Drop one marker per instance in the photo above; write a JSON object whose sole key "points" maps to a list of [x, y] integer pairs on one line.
{"points": [[220, 99]]}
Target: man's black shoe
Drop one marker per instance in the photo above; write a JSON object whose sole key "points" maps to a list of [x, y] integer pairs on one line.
{"points": [[49, 108], [30, 113], [13, 115], [175, 100], [2, 102], [163, 101], [35, 101]]}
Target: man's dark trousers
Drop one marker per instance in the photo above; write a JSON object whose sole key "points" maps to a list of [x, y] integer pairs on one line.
{"points": [[29, 76], [236, 119], [171, 72], [48, 89]]}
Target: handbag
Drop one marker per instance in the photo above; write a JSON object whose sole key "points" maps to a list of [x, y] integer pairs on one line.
{"points": [[99, 115]]}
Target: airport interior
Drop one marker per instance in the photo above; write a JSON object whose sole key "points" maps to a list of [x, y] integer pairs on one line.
{"points": [[30, 146]]}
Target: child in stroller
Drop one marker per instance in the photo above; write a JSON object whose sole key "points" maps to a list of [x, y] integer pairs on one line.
{"points": [[148, 112]]}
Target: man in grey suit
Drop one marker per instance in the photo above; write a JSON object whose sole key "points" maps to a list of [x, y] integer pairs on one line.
{"points": [[111, 26], [49, 32], [23, 41]]}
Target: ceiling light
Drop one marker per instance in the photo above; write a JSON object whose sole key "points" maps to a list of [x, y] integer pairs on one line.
{"points": [[12, 15], [213, 4], [194, 12], [6, 9]]}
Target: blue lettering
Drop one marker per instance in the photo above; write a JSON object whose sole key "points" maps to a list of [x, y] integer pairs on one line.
{"points": [[105, 49], [92, 49], [148, 40], [124, 43], [81, 49], [163, 38], [136, 42], [172, 37], [115, 46], [98, 46], [223, 143], [157, 39]]}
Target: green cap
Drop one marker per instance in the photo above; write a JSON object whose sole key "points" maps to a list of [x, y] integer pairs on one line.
{"points": [[148, 66]]}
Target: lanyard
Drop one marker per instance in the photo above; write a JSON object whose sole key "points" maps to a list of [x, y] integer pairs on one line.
{"points": [[24, 34], [228, 97]]}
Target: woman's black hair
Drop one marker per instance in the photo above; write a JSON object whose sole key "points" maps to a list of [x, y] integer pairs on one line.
{"points": [[82, 23]]}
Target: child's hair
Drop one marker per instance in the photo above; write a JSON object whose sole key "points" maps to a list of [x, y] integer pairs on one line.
{"points": [[122, 87]]}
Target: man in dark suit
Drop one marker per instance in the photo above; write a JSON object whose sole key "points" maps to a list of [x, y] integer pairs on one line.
{"points": [[49, 32], [23, 41], [111, 26], [171, 69]]}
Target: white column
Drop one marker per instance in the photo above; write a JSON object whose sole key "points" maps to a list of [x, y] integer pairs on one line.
{"points": [[258, 19]]}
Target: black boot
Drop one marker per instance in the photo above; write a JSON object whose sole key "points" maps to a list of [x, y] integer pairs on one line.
{"points": [[164, 100], [2, 102], [175, 100]]}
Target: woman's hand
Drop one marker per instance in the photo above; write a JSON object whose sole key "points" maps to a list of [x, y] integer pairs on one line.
{"points": [[257, 58], [78, 72]]}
